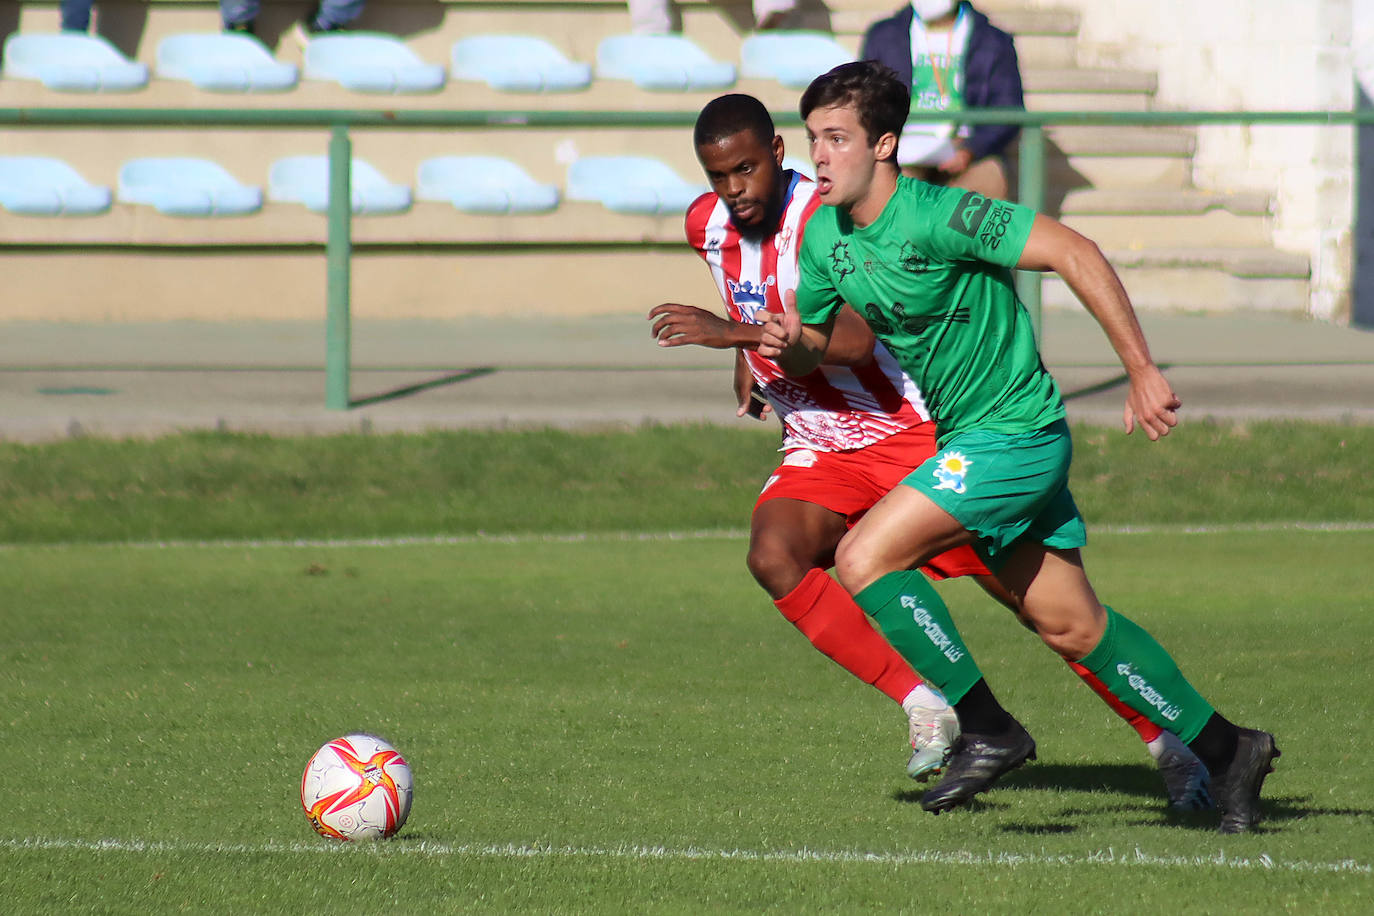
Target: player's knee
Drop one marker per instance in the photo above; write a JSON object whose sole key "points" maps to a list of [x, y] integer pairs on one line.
{"points": [[855, 567], [775, 567], [1071, 639]]}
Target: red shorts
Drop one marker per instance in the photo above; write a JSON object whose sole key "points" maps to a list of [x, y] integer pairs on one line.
{"points": [[849, 483]]}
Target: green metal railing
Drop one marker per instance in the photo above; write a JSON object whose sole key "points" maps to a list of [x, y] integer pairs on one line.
{"points": [[339, 246]]}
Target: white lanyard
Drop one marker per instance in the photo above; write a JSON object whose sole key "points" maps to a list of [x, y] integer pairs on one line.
{"points": [[920, 47]]}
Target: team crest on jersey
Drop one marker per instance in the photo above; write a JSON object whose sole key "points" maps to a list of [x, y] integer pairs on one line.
{"points": [[784, 240], [950, 469], [911, 260], [840, 261], [749, 297]]}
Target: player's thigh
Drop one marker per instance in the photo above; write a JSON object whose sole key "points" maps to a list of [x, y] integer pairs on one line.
{"points": [[903, 529], [804, 530], [1055, 597]]}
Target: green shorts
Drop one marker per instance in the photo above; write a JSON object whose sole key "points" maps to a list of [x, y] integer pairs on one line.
{"points": [[1006, 486]]}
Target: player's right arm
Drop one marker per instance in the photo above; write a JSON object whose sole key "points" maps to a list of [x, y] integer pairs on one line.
{"points": [[798, 348], [798, 338], [677, 325]]}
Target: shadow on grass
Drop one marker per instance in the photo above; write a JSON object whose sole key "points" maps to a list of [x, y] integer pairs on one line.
{"points": [[1139, 780], [1116, 381], [407, 390]]}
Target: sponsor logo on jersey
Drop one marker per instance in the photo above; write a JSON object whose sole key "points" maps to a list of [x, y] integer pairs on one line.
{"points": [[995, 225], [749, 297], [969, 214], [713, 243], [950, 469], [840, 261]]}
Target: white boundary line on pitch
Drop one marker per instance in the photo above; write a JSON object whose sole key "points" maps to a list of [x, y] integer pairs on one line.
{"points": [[1109, 856], [631, 536]]}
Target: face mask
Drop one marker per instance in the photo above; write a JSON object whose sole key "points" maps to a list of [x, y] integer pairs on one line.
{"points": [[931, 10]]}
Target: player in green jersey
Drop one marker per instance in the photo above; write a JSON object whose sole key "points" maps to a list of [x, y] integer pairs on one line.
{"points": [[930, 270]]}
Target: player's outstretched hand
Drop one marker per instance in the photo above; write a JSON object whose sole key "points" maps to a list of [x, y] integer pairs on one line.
{"points": [[781, 331], [1151, 404], [678, 325]]}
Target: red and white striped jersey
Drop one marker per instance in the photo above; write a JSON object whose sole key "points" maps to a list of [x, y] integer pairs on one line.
{"points": [[835, 408]]}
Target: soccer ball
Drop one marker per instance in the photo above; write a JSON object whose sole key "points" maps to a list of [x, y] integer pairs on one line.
{"points": [[356, 787]]}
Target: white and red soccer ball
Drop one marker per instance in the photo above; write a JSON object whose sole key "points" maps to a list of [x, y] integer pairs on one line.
{"points": [[356, 787]]}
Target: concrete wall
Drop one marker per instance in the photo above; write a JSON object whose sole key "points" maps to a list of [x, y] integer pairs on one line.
{"points": [[1229, 55]]}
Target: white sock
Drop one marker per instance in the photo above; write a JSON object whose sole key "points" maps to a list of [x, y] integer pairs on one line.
{"points": [[924, 696], [1166, 741]]}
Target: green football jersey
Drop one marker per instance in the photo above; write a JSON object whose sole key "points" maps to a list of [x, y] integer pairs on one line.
{"points": [[933, 277]]}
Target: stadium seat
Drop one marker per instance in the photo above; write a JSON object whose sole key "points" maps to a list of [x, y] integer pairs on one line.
{"points": [[305, 180], [661, 62], [72, 62], [186, 187], [517, 63], [43, 186], [631, 184], [792, 58], [483, 184], [228, 62], [370, 62]]}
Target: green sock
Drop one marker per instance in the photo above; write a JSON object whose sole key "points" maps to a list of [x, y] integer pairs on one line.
{"points": [[1139, 672], [915, 620]]}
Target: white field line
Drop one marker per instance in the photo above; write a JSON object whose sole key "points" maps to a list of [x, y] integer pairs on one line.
{"points": [[1109, 856], [629, 536]]}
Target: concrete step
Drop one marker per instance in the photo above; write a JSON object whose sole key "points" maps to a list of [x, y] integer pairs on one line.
{"points": [[1188, 202], [1203, 279], [1119, 157], [1087, 89], [1133, 219], [1044, 38]]}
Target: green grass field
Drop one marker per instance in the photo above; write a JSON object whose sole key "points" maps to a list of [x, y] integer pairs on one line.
{"points": [[604, 713]]}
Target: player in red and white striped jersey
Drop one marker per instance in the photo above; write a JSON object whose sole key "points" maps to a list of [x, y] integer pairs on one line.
{"points": [[851, 430]]}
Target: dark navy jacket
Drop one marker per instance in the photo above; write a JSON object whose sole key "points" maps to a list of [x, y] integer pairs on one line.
{"points": [[992, 78]]}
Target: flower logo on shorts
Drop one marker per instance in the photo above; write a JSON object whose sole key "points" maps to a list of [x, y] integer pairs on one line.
{"points": [[950, 470]]}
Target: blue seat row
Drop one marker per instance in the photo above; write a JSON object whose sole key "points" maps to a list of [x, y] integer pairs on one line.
{"points": [[183, 186], [378, 63]]}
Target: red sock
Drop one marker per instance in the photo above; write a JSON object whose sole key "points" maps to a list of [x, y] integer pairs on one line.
{"points": [[1147, 730], [838, 627]]}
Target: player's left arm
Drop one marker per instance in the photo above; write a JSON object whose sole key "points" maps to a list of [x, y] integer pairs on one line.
{"points": [[1051, 245]]}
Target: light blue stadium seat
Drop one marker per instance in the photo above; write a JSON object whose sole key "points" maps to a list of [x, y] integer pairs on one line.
{"points": [[631, 184], [370, 62], [792, 58], [305, 180], [661, 62], [43, 186], [183, 186], [223, 62], [483, 184], [72, 62], [517, 63]]}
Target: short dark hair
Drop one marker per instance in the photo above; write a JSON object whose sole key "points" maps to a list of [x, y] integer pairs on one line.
{"points": [[731, 114], [875, 92]]}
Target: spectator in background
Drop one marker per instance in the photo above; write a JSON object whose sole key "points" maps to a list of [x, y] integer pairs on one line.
{"points": [[951, 57], [328, 15], [661, 17]]}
